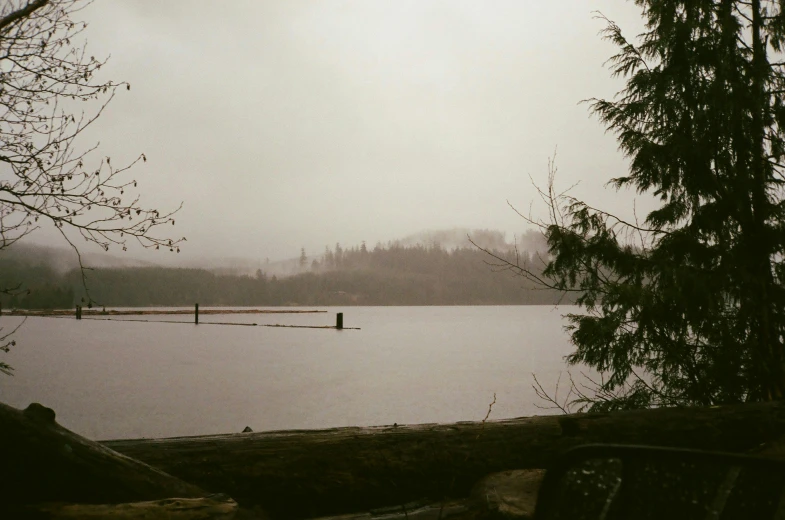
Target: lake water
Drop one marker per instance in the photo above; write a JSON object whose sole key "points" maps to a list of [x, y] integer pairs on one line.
{"points": [[125, 379]]}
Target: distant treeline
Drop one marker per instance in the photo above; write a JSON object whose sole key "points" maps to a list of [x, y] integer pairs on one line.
{"points": [[394, 275], [28, 285]]}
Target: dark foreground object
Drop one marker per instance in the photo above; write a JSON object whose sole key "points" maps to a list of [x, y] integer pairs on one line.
{"points": [[40, 461], [215, 507], [300, 474], [617, 482]]}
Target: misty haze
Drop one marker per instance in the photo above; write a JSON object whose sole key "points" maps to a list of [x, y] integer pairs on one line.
{"points": [[283, 125]]}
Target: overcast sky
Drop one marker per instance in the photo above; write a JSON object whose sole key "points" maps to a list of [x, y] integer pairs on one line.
{"points": [[284, 123]]}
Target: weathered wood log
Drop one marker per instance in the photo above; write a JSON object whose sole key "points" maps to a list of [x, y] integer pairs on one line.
{"points": [[207, 508], [40, 461], [311, 473]]}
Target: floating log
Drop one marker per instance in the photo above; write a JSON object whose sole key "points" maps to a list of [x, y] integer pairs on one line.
{"points": [[146, 312], [130, 320], [300, 474], [40, 461], [310, 327]]}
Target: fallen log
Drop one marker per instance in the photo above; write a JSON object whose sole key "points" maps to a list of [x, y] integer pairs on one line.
{"points": [[304, 474], [207, 508], [40, 461]]}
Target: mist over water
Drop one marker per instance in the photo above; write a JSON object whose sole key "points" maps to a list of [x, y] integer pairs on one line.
{"points": [[116, 379]]}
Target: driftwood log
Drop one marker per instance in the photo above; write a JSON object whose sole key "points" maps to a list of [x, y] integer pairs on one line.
{"points": [[295, 474], [40, 461], [216, 507]]}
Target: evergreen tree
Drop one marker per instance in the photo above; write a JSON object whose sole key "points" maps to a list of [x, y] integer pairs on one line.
{"points": [[329, 258], [338, 256], [693, 313]]}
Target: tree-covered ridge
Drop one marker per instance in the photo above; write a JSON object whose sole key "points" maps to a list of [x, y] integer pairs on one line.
{"points": [[43, 287], [384, 275]]}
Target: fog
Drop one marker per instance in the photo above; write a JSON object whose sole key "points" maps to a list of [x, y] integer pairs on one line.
{"points": [[289, 124]]}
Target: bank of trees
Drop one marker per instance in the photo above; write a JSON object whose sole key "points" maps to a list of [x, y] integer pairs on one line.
{"points": [[391, 275]]}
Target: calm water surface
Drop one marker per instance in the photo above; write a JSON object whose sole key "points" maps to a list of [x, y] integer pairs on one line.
{"points": [[126, 379]]}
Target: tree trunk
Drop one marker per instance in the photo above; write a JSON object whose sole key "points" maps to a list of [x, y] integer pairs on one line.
{"points": [[762, 286], [40, 461], [309, 473]]}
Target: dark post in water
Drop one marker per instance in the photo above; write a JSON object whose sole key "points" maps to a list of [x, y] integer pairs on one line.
{"points": [[196, 313], [339, 321]]}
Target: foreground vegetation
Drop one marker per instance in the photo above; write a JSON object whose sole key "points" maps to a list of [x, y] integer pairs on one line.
{"points": [[686, 305]]}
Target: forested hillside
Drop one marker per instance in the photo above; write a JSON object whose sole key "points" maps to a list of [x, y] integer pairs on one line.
{"points": [[391, 275]]}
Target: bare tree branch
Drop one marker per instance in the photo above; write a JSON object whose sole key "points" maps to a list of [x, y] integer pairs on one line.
{"points": [[21, 13]]}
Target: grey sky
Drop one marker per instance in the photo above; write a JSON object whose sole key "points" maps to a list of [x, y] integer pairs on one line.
{"points": [[287, 123]]}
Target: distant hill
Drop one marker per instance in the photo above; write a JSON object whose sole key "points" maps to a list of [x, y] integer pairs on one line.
{"points": [[395, 274], [456, 238], [451, 239], [63, 259]]}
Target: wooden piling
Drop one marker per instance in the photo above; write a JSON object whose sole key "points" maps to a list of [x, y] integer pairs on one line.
{"points": [[196, 313], [339, 321]]}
